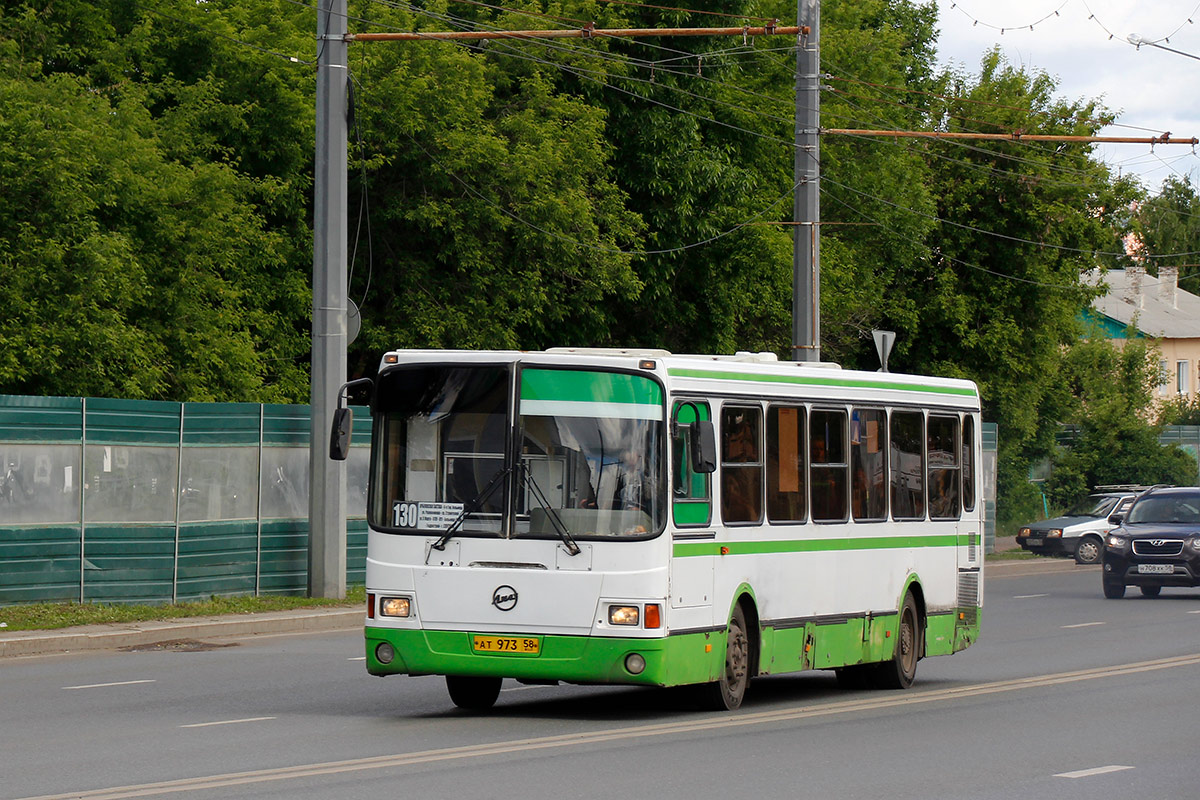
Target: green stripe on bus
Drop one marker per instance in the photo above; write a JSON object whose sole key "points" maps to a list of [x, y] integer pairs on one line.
{"points": [[582, 386], [806, 380], [686, 549]]}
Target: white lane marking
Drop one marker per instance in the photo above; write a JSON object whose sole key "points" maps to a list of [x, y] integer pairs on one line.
{"points": [[525, 688], [360, 658], [1085, 625], [102, 685], [1028, 596], [624, 734], [1087, 773], [1194, 612], [226, 722]]}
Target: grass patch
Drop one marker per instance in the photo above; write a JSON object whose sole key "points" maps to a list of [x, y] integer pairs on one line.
{"points": [[1013, 555], [49, 616]]}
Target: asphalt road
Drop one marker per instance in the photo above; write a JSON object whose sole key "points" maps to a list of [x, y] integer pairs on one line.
{"points": [[1066, 695]]}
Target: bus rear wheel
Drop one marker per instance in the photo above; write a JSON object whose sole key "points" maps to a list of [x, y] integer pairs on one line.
{"points": [[901, 670], [473, 693], [726, 694]]}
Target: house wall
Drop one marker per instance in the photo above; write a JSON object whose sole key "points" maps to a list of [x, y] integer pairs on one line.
{"points": [[1174, 351]]}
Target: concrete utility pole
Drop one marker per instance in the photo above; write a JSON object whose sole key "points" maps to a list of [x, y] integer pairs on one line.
{"points": [[806, 253], [327, 478], [327, 495]]}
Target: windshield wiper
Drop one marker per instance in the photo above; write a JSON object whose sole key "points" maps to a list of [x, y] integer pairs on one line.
{"points": [[526, 478], [470, 508]]}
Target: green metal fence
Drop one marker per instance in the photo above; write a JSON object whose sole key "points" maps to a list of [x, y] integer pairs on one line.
{"points": [[131, 501], [1187, 437], [989, 432], [126, 501]]}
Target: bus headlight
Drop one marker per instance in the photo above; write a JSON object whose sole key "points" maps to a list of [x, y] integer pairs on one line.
{"points": [[635, 663], [395, 606], [623, 615], [384, 653]]}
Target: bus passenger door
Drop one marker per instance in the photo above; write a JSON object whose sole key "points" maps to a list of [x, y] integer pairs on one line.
{"points": [[694, 538]]}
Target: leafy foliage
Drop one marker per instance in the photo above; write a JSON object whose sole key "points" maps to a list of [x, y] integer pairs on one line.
{"points": [[1167, 228], [1019, 223], [143, 256], [155, 234], [1113, 443]]}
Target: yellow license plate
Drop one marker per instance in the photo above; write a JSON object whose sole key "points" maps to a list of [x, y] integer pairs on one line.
{"points": [[527, 645]]}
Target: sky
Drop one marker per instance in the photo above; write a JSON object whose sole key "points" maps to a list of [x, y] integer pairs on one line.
{"points": [[1083, 43]]}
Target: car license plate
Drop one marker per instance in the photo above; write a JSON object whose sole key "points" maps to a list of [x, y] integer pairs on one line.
{"points": [[1155, 569], [1034, 542], [526, 645]]}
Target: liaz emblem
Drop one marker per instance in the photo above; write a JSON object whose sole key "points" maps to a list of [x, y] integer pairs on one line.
{"points": [[504, 598]]}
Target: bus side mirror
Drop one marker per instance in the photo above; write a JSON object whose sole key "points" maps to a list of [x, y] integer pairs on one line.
{"points": [[339, 437], [704, 446], [343, 421]]}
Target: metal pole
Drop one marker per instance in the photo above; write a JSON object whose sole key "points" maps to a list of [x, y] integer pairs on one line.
{"points": [[81, 482], [327, 478], [178, 505], [806, 253], [262, 414]]}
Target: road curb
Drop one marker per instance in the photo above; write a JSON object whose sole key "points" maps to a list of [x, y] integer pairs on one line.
{"points": [[1019, 568], [134, 634], [137, 634]]}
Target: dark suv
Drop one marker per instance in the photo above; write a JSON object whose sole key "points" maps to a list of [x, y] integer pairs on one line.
{"points": [[1157, 543]]}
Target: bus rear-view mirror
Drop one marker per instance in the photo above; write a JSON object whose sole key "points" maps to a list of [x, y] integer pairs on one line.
{"points": [[339, 437], [704, 446]]}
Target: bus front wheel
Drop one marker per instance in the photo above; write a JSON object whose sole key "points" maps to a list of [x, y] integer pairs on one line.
{"points": [[472, 693], [726, 694]]}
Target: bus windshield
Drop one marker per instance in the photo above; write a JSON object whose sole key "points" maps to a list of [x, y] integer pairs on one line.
{"points": [[588, 460]]}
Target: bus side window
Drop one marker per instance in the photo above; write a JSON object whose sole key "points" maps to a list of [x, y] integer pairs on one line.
{"points": [[968, 463], [741, 464], [690, 493], [943, 467], [829, 470], [868, 485], [787, 495], [907, 451]]}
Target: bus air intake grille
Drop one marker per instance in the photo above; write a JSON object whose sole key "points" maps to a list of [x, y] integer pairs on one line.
{"points": [[968, 596]]}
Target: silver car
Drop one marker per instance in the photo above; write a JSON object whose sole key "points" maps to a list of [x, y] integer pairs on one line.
{"points": [[1080, 532]]}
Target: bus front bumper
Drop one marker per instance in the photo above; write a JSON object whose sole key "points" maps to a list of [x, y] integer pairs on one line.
{"points": [[666, 661]]}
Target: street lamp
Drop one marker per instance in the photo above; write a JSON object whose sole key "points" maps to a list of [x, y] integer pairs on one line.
{"points": [[1138, 41]]}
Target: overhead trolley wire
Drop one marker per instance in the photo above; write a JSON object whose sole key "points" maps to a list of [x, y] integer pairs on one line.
{"points": [[584, 74]]}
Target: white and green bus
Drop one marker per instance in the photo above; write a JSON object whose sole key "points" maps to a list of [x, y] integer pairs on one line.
{"points": [[637, 517]]}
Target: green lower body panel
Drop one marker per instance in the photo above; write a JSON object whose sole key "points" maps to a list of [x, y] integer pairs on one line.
{"points": [[858, 641], [670, 661]]}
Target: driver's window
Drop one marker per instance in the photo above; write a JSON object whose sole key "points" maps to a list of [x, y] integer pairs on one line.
{"points": [[691, 494]]}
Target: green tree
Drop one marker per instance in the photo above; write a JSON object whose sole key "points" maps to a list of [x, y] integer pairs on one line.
{"points": [[1180, 410], [150, 261], [1114, 441], [495, 218], [1168, 229], [1018, 224]]}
